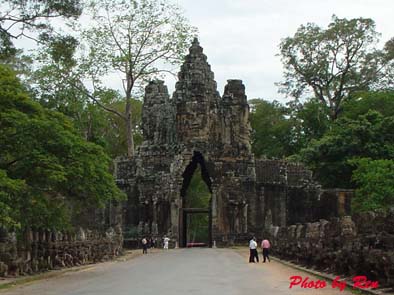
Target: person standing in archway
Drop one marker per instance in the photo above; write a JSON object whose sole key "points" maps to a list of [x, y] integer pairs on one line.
{"points": [[265, 244], [253, 251], [166, 240], [144, 246]]}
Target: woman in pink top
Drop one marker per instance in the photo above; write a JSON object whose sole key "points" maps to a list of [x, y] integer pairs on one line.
{"points": [[265, 244]]}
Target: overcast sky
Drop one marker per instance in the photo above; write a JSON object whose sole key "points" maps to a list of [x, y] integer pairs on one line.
{"points": [[241, 37]]}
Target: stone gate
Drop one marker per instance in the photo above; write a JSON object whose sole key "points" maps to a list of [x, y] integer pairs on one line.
{"points": [[195, 127]]}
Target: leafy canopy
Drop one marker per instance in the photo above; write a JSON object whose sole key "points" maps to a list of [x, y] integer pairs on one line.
{"points": [[375, 184], [281, 131], [45, 165], [368, 135], [334, 62], [139, 40]]}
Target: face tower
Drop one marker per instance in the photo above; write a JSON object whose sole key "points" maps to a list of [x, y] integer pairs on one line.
{"points": [[198, 128]]}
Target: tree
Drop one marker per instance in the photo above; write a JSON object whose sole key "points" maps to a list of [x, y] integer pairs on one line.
{"points": [[20, 18], [197, 196], [375, 184], [57, 68], [46, 167], [134, 39], [309, 121], [9, 190], [30, 19], [272, 134], [281, 131], [367, 136], [333, 62], [361, 102]]}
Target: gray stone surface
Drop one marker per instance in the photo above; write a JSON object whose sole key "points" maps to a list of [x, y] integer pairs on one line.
{"points": [[185, 271], [359, 245], [197, 126], [40, 251]]}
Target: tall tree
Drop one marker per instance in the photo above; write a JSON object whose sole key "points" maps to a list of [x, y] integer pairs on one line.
{"points": [[333, 62], [134, 39], [369, 135], [272, 134], [27, 18], [45, 165], [310, 121], [57, 69]]}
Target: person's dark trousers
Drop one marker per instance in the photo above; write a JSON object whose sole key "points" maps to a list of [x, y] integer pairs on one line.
{"points": [[256, 254], [144, 249], [251, 256], [266, 254]]}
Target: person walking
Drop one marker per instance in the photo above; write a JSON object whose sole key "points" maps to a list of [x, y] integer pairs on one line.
{"points": [[166, 240], [253, 251], [265, 244], [144, 246], [151, 244]]}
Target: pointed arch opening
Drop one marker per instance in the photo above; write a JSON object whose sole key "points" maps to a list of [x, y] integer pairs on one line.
{"points": [[195, 222]]}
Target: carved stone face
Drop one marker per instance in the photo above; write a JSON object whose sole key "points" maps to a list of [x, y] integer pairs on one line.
{"points": [[347, 227]]}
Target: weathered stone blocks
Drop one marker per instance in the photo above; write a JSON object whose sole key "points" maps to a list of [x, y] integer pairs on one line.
{"points": [[347, 246]]}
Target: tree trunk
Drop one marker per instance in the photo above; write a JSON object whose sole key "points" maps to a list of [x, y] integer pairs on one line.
{"points": [[129, 128]]}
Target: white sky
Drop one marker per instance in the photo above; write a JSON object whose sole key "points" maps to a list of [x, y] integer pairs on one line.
{"points": [[241, 37]]}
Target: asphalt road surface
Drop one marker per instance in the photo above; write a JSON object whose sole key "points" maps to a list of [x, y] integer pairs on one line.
{"points": [[181, 271]]}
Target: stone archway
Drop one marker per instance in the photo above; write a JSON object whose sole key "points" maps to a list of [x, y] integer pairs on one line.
{"points": [[199, 127], [184, 210]]}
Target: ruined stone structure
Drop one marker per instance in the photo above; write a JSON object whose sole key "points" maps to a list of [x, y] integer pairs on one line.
{"points": [[44, 250], [195, 127], [349, 246]]}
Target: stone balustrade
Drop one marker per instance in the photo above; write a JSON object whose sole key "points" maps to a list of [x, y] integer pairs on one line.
{"points": [[43, 250], [348, 246]]}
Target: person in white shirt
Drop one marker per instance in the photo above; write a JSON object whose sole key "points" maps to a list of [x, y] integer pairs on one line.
{"points": [[253, 251], [166, 240], [144, 246]]}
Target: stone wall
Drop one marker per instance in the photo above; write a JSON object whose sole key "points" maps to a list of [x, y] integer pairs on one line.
{"points": [[197, 126], [38, 251], [348, 246]]}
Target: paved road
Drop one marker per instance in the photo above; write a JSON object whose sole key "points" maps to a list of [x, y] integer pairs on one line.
{"points": [[183, 271]]}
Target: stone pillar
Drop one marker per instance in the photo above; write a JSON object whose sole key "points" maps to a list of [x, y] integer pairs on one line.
{"points": [[154, 229], [174, 218], [283, 208], [214, 206], [245, 218]]}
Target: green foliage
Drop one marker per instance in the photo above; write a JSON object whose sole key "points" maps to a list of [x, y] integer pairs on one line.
{"points": [[310, 120], [140, 40], [57, 70], [197, 228], [112, 129], [134, 38], [197, 196], [271, 129], [333, 63], [369, 135], [10, 189], [42, 150], [7, 48], [362, 102], [375, 184], [282, 131], [18, 18]]}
